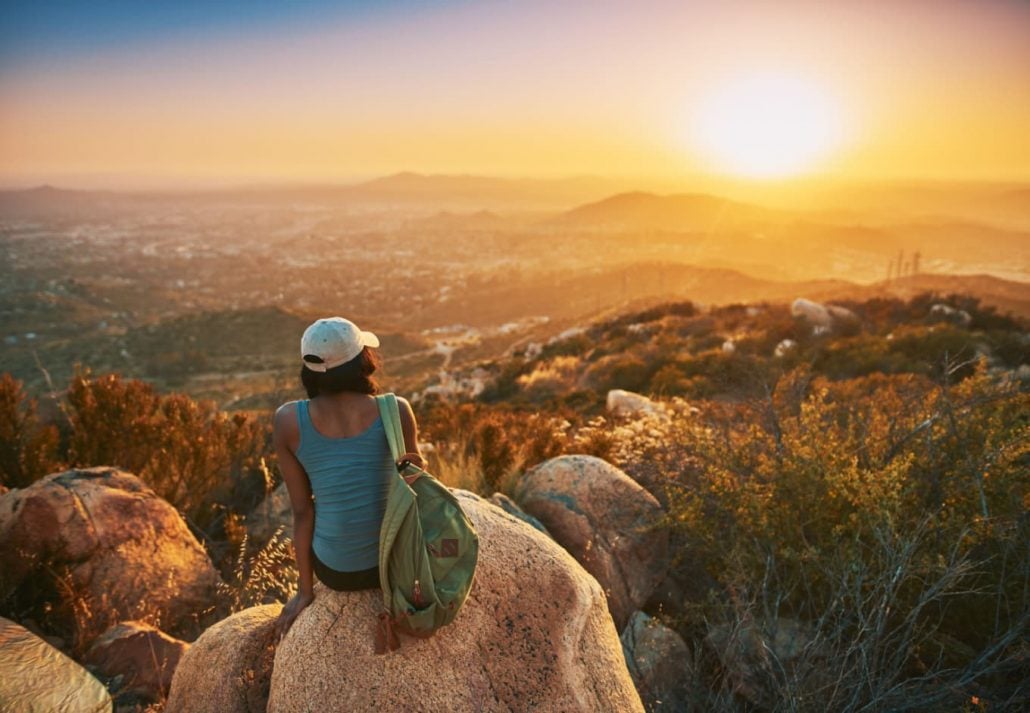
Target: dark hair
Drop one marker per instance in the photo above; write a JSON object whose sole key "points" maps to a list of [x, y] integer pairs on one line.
{"points": [[354, 375]]}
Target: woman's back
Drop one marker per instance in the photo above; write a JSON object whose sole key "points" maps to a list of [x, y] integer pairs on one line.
{"points": [[349, 478]]}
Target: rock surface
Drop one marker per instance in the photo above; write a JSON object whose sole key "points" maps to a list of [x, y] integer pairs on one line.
{"points": [[941, 312], [228, 669], [509, 506], [144, 657], [535, 634], [812, 312], [274, 512], [126, 552], [37, 678], [606, 521], [757, 655], [658, 660], [628, 404]]}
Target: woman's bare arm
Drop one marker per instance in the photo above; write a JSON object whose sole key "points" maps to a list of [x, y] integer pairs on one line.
{"points": [[286, 435], [410, 429]]}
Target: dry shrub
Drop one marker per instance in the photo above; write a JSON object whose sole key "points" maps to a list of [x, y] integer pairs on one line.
{"points": [[495, 442], [888, 513], [257, 577], [28, 448], [189, 452]]}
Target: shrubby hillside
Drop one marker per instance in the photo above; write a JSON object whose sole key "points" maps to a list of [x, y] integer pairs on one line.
{"points": [[739, 351], [853, 474]]}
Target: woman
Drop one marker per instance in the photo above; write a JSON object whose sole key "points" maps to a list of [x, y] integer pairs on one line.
{"points": [[336, 462]]}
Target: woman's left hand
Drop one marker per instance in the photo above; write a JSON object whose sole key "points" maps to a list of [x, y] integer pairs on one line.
{"points": [[293, 608], [414, 458]]}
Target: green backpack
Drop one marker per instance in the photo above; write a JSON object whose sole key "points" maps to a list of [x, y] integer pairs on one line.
{"points": [[427, 548]]}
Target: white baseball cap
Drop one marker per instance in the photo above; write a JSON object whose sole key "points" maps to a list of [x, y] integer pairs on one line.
{"points": [[335, 341]]}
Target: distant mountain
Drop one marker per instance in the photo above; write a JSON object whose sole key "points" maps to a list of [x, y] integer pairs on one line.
{"points": [[401, 190], [677, 212], [49, 199], [447, 220], [481, 191]]}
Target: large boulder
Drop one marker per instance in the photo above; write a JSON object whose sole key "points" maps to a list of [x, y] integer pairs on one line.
{"points": [[37, 678], [659, 662], [228, 669], [606, 520], [140, 657], [534, 634], [114, 545]]}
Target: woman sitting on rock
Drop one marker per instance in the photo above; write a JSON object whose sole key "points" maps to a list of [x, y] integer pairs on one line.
{"points": [[336, 462]]}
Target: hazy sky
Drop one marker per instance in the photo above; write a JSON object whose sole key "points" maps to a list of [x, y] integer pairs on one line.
{"points": [[133, 93]]}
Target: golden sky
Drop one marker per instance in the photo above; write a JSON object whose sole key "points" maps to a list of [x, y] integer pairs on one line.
{"points": [[901, 89]]}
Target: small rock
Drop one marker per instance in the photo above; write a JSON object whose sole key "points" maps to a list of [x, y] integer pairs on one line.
{"points": [[271, 514], [757, 655], [658, 661], [142, 655], [628, 404]]}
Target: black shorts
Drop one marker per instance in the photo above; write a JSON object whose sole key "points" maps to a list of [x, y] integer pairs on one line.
{"points": [[345, 581]]}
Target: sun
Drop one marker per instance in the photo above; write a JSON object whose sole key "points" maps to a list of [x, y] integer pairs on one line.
{"points": [[765, 125]]}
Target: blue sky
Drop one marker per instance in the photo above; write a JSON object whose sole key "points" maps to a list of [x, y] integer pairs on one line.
{"points": [[42, 29]]}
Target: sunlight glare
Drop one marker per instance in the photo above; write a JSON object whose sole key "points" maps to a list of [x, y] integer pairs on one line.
{"points": [[766, 126]]}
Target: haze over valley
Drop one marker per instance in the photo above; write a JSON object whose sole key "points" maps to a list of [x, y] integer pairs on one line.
{"points": [[208, 291]]}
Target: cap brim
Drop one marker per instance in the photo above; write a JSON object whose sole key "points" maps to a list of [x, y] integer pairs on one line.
{"points": [[369, 340]]}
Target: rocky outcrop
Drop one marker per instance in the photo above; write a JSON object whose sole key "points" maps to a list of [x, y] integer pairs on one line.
{"points": [[534, 634], [139, 658], [229, 668], [37, 678], [941, 312], [622, 403], [824, 318], [605, 520], [117, 546], [658, 661]]}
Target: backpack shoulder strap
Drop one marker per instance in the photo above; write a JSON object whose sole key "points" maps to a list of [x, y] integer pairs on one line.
{"points": [[391, 416]]}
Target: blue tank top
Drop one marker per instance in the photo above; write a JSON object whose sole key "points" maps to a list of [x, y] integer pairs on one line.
{"points": [[349, 480]]}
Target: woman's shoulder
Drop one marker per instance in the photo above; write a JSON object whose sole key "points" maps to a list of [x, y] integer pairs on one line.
{"points": [[406, 412], [288, 408], [286, 415]]}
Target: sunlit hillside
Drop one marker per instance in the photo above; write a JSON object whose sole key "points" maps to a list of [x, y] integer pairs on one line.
{"points": [[709, 323]]}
